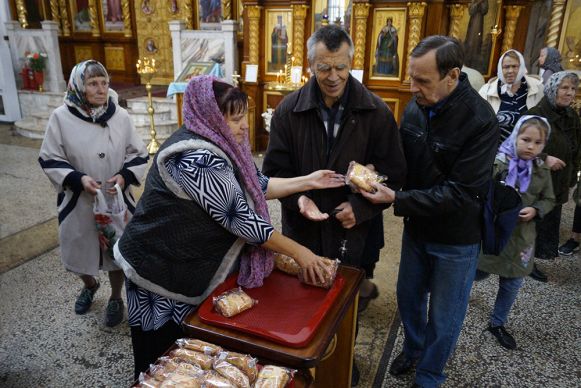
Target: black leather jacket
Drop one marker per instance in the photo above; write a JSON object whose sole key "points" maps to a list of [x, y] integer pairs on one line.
{"points": [[449, 158]]}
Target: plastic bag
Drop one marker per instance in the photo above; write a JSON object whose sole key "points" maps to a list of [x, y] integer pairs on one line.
{"points": [[111, 217], [286, 264], [359, 177], [330, 274], [199, 346], [233, 302], [272, 376]]}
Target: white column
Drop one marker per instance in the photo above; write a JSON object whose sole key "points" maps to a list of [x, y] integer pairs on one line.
{"points": [[176, 27], [54, 71], [229, 29], [8, 91]]}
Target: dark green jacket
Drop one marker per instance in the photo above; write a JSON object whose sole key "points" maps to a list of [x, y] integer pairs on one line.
{"points": [[516, 259], [564, 143]]}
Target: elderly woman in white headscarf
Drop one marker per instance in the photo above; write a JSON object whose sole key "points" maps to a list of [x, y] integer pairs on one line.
{"points": [[513, 92], [90, 141]]}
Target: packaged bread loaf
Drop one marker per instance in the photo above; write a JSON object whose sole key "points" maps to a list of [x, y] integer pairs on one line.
{"points": [[273, 377], [214, 379], [146, 381], [232, 373], [199, 346], [233, 302], [190, 356], [329, 274], [176, 380], [246, 363], [286, 264], [359, 177]]}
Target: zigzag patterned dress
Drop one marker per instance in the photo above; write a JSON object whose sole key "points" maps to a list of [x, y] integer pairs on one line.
{"points": [[212, 184]]}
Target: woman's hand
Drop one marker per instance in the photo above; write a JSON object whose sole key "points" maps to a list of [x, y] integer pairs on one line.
{"points": [[90, 185], [324, 179], [116, 179], [555, 163], [313, 267], [383, 194], [309, 209], [527, 213]]}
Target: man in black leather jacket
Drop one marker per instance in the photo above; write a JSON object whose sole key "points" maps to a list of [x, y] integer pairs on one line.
{"points": [[450, 137]]}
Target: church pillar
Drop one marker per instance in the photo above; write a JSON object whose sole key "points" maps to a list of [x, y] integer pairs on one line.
{"points": [[360, 15], [555, 23], [415, 15], [512, 13]]}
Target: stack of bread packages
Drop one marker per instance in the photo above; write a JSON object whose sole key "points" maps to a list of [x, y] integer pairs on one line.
{"points": [[199, 364], [290, 266]]}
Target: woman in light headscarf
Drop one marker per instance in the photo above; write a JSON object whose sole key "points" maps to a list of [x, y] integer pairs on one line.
{"points": [[550, 62], [518, 164], [90, 141], [512, 92], [564, 150], [203, 216]]}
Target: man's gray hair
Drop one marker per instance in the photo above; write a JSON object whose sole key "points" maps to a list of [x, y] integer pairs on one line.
{"points": [[333, 37]]}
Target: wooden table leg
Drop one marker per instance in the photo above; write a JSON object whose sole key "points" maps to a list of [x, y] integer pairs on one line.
{"points": [[335, 371]]}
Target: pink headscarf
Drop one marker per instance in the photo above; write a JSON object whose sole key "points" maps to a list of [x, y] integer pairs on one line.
{"points": [[203, 117]]}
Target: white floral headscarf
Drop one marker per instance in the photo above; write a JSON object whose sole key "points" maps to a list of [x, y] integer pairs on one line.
{"points": [[507, 88]]}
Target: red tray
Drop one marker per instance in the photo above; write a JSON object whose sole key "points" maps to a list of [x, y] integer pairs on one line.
{"points": [[288, 312]]}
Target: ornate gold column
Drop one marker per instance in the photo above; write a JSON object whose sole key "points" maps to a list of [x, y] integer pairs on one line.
{"points": [[54, 11], [65, 18], [556, 22], [227, 9], [93, 18], [188, 13], [299, 17], [360, 14], [21, 12], [126, 18], [456, 13], [415, 16], [511, 15], [253, 35]]}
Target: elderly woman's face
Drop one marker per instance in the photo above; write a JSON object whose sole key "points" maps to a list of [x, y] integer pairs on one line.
{"points": [[510, 68], [238, 124], [543, 56], [96, 90], [565, 93]]}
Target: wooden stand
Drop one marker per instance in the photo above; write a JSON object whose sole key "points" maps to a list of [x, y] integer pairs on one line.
{"points": [[329, 355]]}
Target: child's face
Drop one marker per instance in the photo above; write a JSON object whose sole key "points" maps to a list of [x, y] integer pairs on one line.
{"points": [[529, 143]]}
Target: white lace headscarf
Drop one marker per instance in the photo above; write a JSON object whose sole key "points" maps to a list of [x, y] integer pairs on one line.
{"points": [[507, 88]]}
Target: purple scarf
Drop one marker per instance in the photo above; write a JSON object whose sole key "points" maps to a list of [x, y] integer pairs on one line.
{"points": [[203, 117], [519, 170]]}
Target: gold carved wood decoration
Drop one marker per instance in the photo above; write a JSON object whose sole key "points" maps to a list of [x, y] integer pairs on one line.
{"points": [[299, 17], [115, 58], [360, 12], [54, 11], [227, 9], [456, 13], [415, 14], [21, 12], [83, 53], [93, 18], [66, 28], [253, 28], [188, 15], [555, 23], [511, 15], [126, 18]]}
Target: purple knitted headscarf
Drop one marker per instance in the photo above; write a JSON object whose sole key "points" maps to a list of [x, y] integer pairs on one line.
{"points": [[519, 170], [203, 117]]}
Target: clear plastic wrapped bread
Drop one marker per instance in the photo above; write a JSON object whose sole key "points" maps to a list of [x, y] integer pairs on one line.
{"points": [[199, 346], [233, 302], [330, 273], [165, 366], [286, 264], [190, 356], [272, 376], [359, 177], [176, 380], [232, 373], [246, 363], [214, 379]]}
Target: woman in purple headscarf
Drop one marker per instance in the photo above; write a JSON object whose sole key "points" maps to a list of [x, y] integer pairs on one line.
{"points": [[202, 216]]}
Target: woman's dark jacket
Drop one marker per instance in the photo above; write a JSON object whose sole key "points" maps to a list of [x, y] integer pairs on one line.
{"points": [[564, 143], [297, 146], [449, 158]]}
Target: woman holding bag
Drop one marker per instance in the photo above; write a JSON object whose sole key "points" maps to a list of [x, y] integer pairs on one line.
{"points": [[90, 142]]}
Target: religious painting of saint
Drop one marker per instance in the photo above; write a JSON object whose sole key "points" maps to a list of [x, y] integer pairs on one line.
{"points": [[147, 7], [150, 46], [388, 47], [278, 38], [570, 42], [334, 11], [112, 15], [209, 14], [81, 18], [193, 69]]}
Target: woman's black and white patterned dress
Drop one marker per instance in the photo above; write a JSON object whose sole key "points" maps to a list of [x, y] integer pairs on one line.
{"points": [[212, 184]]}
